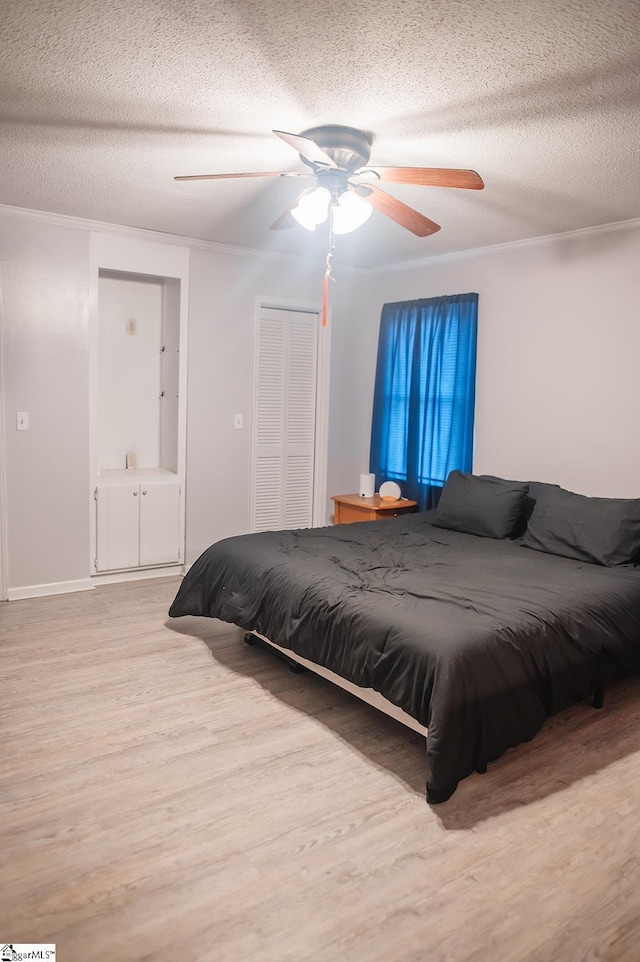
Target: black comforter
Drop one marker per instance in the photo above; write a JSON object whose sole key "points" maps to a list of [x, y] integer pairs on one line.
{"points": [[479, 640]]}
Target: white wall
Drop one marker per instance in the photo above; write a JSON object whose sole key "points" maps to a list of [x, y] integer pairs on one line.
{"points": [[129, 366], [223, 291], [170, 418], [47, 300], [558, 346], [44, 279], [556, 398], [354, 350]]}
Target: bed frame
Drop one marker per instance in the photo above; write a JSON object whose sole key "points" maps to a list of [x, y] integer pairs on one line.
{"points": [[296, 663]]}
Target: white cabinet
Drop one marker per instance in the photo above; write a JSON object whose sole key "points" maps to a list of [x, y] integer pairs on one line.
{"points": [[159, 524], [138, 524], [139, 319], [118, 522]]}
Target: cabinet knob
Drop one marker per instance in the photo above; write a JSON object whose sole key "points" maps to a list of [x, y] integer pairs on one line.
{"points": [[135, 494], [144, 492]]}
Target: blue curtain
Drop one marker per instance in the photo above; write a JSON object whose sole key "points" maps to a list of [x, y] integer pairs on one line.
{"points": [[424, 397]]}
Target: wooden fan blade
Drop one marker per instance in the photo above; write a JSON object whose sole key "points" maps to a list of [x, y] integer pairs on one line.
{"points": [[306, 148], [401, 213], [430, 177], [285, 220], [257, 173]]}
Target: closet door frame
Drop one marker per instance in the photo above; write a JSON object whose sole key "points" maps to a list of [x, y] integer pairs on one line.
{"points": [[320, 513]]}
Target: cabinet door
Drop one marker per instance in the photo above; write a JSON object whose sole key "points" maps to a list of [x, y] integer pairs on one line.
{"points": [[159, 524], [117, 541]]}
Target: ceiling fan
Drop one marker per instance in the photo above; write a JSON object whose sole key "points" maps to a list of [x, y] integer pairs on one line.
{"points": [[347, 188]]}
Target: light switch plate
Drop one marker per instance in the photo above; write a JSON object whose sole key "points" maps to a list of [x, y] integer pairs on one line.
{"points": [[22, 421], [238, 422]]}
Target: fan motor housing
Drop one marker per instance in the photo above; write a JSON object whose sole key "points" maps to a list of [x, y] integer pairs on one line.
{"points": [[348, 147]]}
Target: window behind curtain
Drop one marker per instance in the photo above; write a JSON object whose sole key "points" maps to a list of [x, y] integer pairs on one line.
{"points": [[424, 394]]}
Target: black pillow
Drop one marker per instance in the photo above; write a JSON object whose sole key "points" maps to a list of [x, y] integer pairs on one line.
{"points": [[535, 487], [480, 504], [603, 531]]}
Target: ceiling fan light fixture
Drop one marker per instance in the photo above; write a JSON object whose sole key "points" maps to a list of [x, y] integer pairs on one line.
{"points": [[313, 208], [350, 213]]}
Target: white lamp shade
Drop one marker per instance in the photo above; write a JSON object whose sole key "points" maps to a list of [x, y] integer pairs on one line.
{"points": [[313, 208], [349, 213]]}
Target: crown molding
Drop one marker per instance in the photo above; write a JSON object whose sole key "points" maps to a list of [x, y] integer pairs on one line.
{"points": [[193, 243], [580, 233]]}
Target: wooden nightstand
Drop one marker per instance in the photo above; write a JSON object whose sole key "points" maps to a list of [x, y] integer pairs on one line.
{"points": [[351, 507]]}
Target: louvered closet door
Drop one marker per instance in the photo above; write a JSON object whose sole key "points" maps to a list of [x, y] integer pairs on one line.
{"points": [[285, 419]]}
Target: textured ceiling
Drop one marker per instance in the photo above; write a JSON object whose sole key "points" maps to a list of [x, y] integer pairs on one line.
{"points": [[101, 103]]}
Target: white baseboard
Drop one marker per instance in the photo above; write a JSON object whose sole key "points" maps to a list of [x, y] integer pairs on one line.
{"points": [[88, 584], [141, 574], [57, 588]]}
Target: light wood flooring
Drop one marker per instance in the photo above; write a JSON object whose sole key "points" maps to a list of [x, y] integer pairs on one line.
{"points": [[168, 792]]}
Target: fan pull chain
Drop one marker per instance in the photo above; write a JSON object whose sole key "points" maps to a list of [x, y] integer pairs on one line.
{"points": [[327, 273], [325, 290]]}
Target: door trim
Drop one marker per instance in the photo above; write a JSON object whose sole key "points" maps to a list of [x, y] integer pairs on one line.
{"points": [[320, 511]]}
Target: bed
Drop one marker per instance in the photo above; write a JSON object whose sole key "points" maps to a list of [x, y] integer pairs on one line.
{"points": [[476, 637]]}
